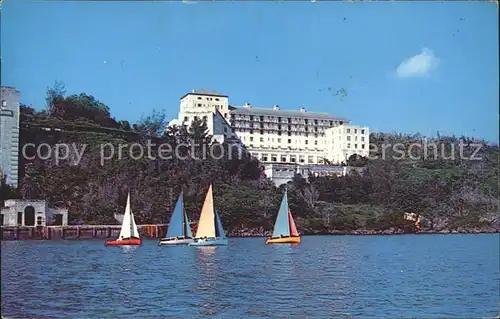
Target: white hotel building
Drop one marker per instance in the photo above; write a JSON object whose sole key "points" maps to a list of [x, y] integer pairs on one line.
{"points": [[275, 135]]}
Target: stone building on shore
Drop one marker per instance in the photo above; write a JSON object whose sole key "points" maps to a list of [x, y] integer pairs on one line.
{"points": [[29, 212]]}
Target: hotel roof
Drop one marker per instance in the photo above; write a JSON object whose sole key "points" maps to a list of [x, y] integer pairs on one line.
{"points": [[204, 92], [285, 113]]}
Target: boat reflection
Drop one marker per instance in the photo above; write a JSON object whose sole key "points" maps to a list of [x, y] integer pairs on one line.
{"points": [[210, 278]]}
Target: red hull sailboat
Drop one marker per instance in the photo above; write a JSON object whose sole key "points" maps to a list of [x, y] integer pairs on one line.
{"points": [[129, 235]]}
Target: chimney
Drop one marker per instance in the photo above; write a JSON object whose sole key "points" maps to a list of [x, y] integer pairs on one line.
{"points": [[276, 107], [247, 105], [302, 109]]}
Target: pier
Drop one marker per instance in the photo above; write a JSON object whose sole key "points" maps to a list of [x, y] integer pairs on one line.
{"points": [[76, 232]]}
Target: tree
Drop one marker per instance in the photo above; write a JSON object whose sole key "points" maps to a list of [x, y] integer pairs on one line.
{"points": [[357, 160], [152, 125], [310, 195]]}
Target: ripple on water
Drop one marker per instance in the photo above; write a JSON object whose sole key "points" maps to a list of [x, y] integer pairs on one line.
{"points": [[342, 276]]}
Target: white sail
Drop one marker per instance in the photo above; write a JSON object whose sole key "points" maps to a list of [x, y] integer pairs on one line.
{"points": [[129, 228], [206, 225], [135, 231]]}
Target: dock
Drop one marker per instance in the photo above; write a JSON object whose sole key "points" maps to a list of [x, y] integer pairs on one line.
{"points": [[76, 232]]}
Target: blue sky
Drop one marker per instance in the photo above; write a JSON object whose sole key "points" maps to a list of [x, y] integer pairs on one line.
{"points": [[406, 67]]}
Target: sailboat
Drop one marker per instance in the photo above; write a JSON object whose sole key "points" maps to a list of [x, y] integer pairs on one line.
{"points": [[285, 231], [129, 235], [210, 231], [179, 231]]}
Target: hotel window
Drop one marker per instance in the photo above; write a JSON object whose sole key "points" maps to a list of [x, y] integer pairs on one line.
{"points": [[262, 132], [251, 131], [199, 97], [355, 138], [262, 139], [264, 158], [306, 121], [315, 121], [362, 138], [316, 135], [363, 146], [279, 140], [186, 118], [289, 127], [279, 133], [289, 133], [307, 130], [348, 145], [251, 139], [251, 117], [225, 129], [289, 120], [355, 131], [310, 159], [348, 130], [289, 141], [251, 145], [199, 104], [306, 142], [279, 119], [216, 98], [331, 123], [348, 138], [355, 145], [293, 160], [362, 131], [283, 159], [196, 118], [315, 142], [261, 118], [273, 159]]}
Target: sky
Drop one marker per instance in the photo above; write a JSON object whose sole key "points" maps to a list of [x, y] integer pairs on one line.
{"points": [[402, 67]]}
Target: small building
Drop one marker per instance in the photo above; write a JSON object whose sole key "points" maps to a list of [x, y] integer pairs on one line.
{"points": [[281, 173], [29, 212]]}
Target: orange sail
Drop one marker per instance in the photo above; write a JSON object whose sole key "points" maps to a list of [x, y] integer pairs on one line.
{"points": [[293, 228]]}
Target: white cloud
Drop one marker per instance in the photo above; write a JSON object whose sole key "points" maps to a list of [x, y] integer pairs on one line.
{"points": [[418, 65]]}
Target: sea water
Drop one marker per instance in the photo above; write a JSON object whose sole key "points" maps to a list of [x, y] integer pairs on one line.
{"points": [[424, 276]]}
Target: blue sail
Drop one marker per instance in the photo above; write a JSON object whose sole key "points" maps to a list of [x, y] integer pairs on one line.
{"points": [[282, 225], [187, 228], [218, 224], [176, 225]]}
